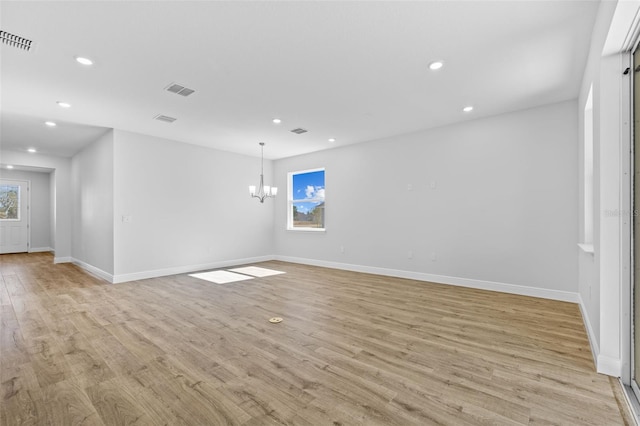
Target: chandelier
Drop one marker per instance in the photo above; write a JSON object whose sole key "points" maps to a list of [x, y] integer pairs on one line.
{"points": [[264, 191]]}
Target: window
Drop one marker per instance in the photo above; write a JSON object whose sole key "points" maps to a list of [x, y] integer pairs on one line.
{"points": [[10, 202], [306, 200], [588, 169]]}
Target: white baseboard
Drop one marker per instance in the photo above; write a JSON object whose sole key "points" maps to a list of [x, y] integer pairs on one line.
{"points": [[116, 279], [591, 335], [564, 296], [40, 250], [609, 366], [121, 278], [604, 364], [94, 271]]}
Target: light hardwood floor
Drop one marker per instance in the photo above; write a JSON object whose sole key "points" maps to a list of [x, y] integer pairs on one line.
{"points": [[352, 349]]}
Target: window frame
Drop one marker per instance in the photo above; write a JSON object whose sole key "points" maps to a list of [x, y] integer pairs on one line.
{"points": [[19, 206], [588, 166], [290, 201]]}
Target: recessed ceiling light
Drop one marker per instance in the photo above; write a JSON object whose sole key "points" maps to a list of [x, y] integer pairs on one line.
{"points": [[64, 104], [467, 108], [436, 65], [32, 150], [277, 121], [50, 123], [332, 140], [84, 61], [9, 166]]}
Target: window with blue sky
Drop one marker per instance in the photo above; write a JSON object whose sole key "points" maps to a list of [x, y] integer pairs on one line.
{"points": [[306, 200]]}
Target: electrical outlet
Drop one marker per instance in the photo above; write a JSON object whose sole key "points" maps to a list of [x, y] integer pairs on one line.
{"points": [[410, 254], [341, 249], [409, 187], [434, 257]]}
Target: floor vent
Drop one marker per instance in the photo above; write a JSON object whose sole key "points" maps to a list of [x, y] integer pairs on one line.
{"points": [[179, 89], [16, 41], [165, 118], [299, 131]]}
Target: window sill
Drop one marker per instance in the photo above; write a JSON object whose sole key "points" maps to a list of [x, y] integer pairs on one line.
{"points": [[307, 229], [587, 248]]}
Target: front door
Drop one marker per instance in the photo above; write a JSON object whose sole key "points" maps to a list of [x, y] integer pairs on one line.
{"points": [[14, 216]]}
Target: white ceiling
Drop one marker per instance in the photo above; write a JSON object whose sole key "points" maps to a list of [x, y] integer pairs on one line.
{"points": [[354, 71]]}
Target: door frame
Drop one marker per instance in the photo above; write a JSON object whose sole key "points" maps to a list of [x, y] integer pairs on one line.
{"points": [[627, 260], [28, 182], [627, 231]]}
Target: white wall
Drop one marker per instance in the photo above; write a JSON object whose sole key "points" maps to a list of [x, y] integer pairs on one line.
{"points": [[189, 208], [39, 208], [189, 205], [92, 183], [61, 195], [503, 210]]}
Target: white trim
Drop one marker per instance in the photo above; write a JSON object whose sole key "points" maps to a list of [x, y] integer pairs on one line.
{"points": [[629, 393], [28, 214], [633, 35], [591, 335], [28, 182], [587, 248], [626, 228], [121, 278], [93, 270], [609, 366], [40, 250], [564, 296], [623, 28], [63, 259], [299, 172]]}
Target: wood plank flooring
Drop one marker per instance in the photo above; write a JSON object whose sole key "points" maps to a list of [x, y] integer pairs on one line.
{"points": [[353, 349]]}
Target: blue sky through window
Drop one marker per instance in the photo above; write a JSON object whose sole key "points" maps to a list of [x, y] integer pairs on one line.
{"points": [[308, 190]]}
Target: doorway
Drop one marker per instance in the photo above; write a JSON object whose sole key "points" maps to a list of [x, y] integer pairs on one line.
{"points": [[14, 216]]}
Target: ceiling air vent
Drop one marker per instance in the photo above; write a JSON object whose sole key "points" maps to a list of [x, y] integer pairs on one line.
{"points": [[179, 89], [16, 41], [165, 118], [299, 131]]}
